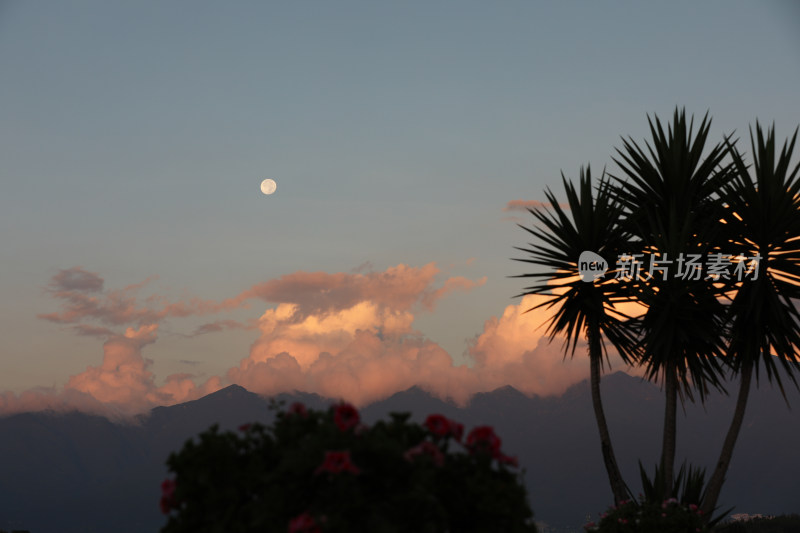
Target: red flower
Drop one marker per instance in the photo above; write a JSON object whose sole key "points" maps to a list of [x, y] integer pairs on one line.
{"points": [[303, 523], [438, 425], [456, 430], [483, 439], [168, 501], [345, 416], [425, 448], [441, 426], [245, 427], [336, 462], [299, 409], [508, 460]]}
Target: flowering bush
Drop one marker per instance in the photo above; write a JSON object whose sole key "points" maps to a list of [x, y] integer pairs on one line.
{"points": [[669, 516], [325, 471]]}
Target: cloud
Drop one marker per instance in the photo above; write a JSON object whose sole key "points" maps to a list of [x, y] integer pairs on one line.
{"points": [[76, 279], [50, 399], [124, 381], [369, 350], [121, 386], [221, 325], [400, 287], [524, 205], [341, 335], [87, 330], [450, 285], [513, 349], [82, 298]]}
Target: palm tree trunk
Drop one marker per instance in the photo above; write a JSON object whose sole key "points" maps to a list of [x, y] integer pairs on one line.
{"points": [[718, 477], [614, 476], [670, 431]]}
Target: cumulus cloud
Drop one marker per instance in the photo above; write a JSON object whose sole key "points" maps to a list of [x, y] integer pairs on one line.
{"points": [[400, 287], [121, 386], [364, 351], [342, 335], [355, 355], [347, 335], [513, 349]]}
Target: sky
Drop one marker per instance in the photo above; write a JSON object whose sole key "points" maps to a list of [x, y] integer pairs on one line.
{"points": [[142, 266]]}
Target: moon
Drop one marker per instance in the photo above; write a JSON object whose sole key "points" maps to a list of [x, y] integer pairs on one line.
{"points": [[268, 186]]}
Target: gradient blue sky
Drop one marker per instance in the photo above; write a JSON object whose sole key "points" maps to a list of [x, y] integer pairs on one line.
{"points": [[134, 135]]}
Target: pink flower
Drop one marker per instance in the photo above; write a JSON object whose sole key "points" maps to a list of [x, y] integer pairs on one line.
{"points": [[425, 448], [303, 523], [336, 462], [483, 439], [245, 427], [345, 416], [692, 507], [298, 409], [168, 501]]}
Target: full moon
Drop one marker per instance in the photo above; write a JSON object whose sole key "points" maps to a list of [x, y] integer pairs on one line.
{"points": [[268, 186]]}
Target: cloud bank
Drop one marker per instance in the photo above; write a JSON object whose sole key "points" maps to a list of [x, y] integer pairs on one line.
{"points": [[340, 335]]}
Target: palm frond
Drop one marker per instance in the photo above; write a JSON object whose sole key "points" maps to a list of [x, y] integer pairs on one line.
{"points": [[589, 224]]}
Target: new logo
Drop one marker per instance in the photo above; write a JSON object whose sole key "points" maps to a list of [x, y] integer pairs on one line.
{"points": [[591, 266]]}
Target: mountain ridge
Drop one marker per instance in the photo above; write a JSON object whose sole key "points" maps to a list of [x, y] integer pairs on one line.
{"points": [[63, 464]]}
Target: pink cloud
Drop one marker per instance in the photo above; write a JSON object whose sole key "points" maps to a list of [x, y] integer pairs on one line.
{"points": [[514, 350], [430, 298], [343, 335], [121, 386], [524, 205], [367, 352], [400, 287], [124, 379]]}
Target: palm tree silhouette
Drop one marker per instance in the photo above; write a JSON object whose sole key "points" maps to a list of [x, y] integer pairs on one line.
{"points": [[583, 308], [670, 196], [763, 221]]}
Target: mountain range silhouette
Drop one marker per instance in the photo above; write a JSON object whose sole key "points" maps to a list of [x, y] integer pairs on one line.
{"points": [[75, 472]]}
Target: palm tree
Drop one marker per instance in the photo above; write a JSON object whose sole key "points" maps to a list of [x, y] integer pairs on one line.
{"points": [[765, 325], [583, 308], [670, 196]]}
